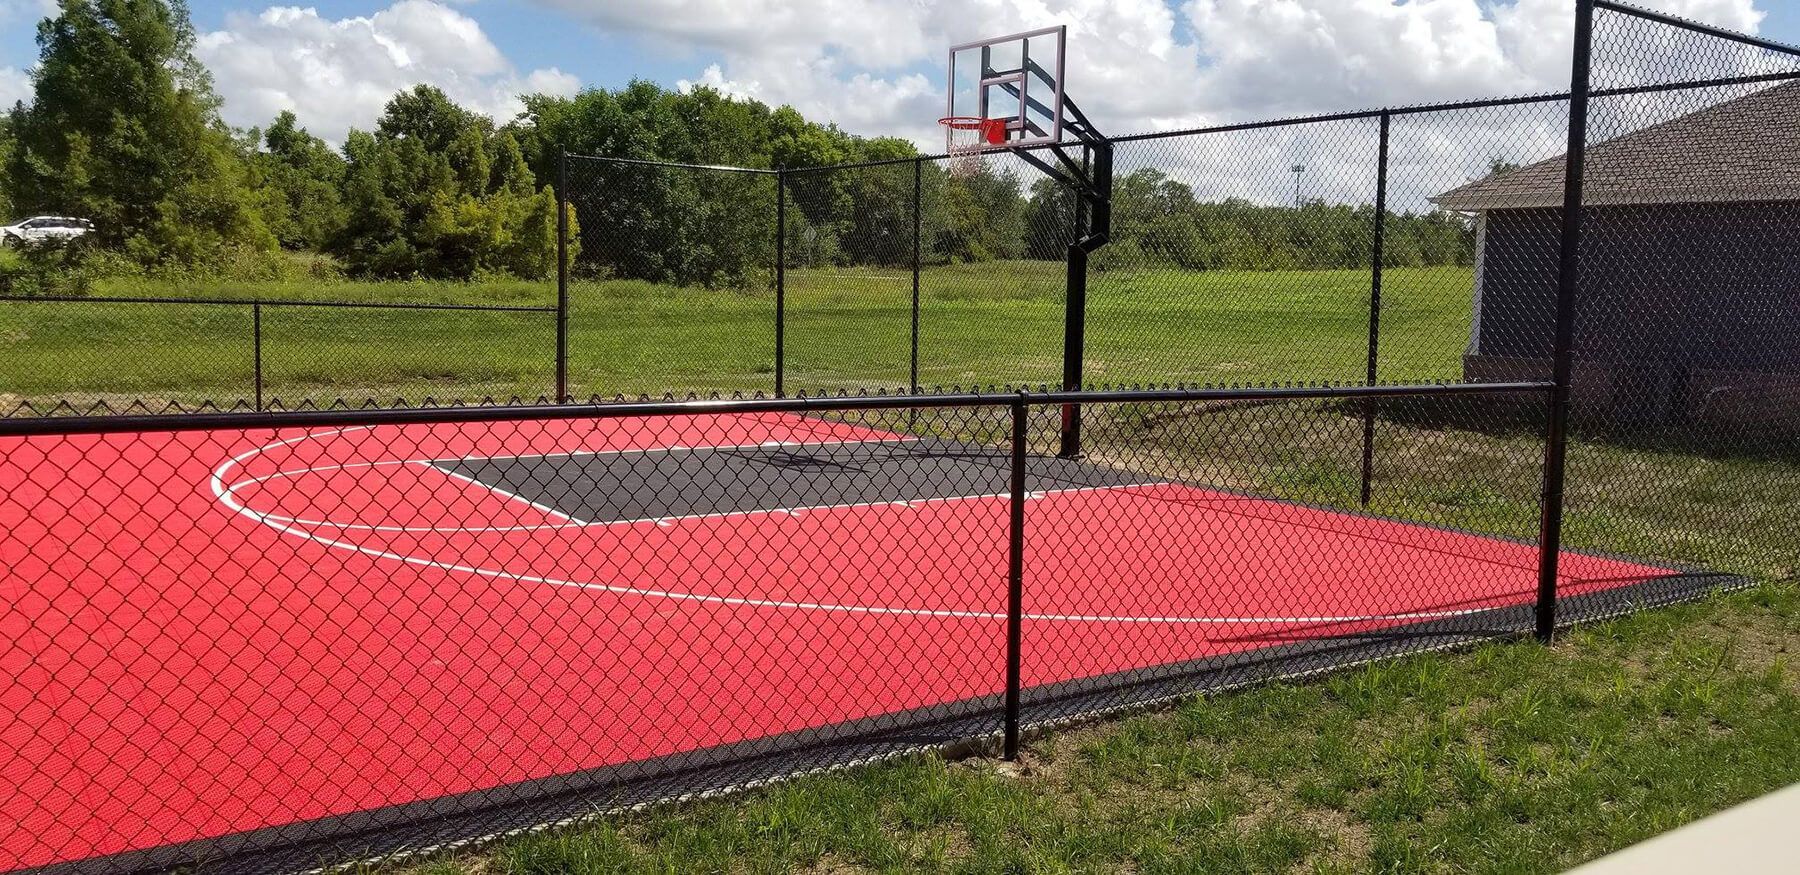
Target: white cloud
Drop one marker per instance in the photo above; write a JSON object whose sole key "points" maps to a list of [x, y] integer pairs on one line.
{"points": [[338, 74], [15, 86], [1133, 64], [873, 67]]}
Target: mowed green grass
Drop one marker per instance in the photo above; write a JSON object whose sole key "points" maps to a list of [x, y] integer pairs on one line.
{"points": [[847, 329]]}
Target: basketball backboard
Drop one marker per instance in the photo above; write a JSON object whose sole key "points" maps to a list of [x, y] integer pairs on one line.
{"points": [[1008, 90]]}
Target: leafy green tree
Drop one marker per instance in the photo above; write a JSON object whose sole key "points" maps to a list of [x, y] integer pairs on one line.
{"points": [[426, 115], [1158, 222], [436, 191], [298, 180], [707, 228], [123, 129], [981, 216], [6, 151]]}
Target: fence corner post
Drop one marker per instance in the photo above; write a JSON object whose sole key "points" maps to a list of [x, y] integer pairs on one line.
{"points": [[256, 355], [1015, 577], [1556, 428], [780, 282], [562, 277], [917, 226], [1377, 253]]}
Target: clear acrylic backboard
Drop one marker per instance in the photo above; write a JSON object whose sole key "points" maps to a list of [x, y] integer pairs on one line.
{"points": [[1009, 88]]}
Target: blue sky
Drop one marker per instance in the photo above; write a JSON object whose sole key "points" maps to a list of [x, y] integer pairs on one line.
{"points": [[872, 65]]}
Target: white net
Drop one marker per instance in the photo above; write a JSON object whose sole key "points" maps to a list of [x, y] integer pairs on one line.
{"points": [[969, 140]]}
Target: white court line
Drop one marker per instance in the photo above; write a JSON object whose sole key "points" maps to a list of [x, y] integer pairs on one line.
{"points": [[679, 448], [661, 521], [569, 522], [546, 509], [224, 495]]}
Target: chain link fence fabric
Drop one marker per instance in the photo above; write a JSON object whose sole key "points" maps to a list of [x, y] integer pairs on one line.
{"points": [[354, 608]]}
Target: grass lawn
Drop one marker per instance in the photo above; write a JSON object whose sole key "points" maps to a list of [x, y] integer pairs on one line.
{"points": [[994, 323]]}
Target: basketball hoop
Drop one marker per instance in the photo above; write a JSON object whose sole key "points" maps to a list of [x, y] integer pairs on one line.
{"points": [[970, 137]]}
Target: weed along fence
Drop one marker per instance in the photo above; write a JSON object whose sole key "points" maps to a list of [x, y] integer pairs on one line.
{"points": [[1418, 377]]}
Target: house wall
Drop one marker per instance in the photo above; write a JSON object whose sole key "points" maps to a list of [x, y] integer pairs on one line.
{"points": [[1684, 312]]}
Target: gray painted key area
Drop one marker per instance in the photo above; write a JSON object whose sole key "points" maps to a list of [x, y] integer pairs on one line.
{"points": [[659, 484]]}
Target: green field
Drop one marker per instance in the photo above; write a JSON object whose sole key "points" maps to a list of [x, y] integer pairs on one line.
{"points": [[847, 329]]}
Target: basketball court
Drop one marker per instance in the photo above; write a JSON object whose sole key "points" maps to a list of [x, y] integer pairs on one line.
{"points": [[234, 630]]}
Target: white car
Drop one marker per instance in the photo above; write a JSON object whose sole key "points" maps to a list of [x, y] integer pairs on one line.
{"points": [[45, 229]]}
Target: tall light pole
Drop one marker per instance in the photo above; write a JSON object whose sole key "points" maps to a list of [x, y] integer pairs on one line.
{"points": [[1297, 169]]}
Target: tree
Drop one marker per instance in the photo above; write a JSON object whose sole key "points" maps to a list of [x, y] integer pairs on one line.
{"points": [[981, 216], [123, 129], [435, 191], [6, 151], [298, 180]]}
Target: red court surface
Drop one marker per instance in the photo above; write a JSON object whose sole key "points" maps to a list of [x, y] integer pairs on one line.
{"points": [[206, 633]]}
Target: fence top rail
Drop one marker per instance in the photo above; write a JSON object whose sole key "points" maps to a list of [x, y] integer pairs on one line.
{"points": [[280, 302], [1286, 393], [1696, 27], [234, 420], [674, 165], [1289, 121]]}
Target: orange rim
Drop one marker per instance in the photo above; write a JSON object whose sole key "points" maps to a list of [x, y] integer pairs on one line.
{"points": [[993, 130]]}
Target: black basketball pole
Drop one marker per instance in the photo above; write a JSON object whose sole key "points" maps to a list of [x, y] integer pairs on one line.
{"points": [[1377, 253], [1093, 225], [1556, 431], [1075, 320], [562, 277]]}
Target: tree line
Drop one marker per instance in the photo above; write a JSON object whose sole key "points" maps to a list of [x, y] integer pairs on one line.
{"points": [[123, 129]]}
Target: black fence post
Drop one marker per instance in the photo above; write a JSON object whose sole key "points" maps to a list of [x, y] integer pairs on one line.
{"points": [[780, 282], [1377, 253], [256, 365], [1015, 579], [1556, 430], [562, 278], [917, 222]]}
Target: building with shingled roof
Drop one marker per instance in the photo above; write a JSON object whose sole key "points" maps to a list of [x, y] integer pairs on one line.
{"points": [[1688, 304]]}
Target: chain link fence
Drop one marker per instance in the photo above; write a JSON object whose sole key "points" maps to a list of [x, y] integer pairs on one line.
{"points": [[97, 355], [1426, 406], [290, 638]]}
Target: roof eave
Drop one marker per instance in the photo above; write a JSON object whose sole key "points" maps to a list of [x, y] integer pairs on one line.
{"points": [[1477, 203]]}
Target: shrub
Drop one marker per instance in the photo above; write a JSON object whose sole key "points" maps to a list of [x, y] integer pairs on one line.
{"points": [[58, 269]]}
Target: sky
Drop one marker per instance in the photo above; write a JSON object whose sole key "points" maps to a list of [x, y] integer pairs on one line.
{"points": [[875, 66]]}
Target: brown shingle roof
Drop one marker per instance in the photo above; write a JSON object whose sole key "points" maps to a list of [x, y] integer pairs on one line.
{"points": [[1746, 149]]}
